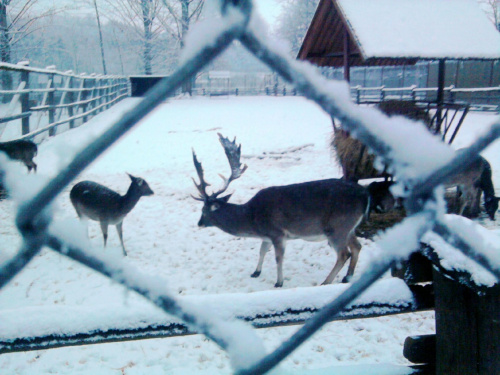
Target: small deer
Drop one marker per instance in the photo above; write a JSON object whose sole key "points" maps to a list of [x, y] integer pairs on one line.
{"points": [[312, 211], [21, 150], [97, 202]]}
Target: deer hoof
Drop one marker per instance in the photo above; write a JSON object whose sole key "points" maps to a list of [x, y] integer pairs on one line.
{"points": [[346, 279], [278, 285], [255, 274]]}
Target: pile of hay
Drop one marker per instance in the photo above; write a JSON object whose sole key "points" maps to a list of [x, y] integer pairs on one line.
{"points": [[357, 163]]}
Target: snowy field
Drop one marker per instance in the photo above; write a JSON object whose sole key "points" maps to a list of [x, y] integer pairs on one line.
{"points": [[284, 140]]}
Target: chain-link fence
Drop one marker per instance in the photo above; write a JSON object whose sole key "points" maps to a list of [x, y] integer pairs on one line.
{"points": [[418, 174]]}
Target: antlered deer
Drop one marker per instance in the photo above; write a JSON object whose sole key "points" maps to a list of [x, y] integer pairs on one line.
{"points": [[312, 211], [21, 150], [97, 202]]}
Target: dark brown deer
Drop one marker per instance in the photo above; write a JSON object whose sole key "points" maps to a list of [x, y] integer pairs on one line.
{"points": [[485, 184], [468, 193], [471, 183], [21, 150], [97, 202], [312, 211]]}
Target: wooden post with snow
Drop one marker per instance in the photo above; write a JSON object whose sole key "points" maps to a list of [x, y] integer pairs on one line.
{"points": [[25, 99], [51, 103], [467, 339], [467, 328]]}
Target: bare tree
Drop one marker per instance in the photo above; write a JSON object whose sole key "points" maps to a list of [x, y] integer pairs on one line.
{"points": [[182, 13], [492, 9], [101, 44], [18, 19], [294, 20], [144, 17]]}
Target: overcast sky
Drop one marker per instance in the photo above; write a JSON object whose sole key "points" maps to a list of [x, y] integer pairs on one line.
{"points": [[268, 9]]}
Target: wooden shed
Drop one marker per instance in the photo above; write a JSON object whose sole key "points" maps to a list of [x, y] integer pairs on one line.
{"points": [[395, 32], [346, 33]]}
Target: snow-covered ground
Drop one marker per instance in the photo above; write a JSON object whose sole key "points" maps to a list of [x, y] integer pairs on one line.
{"points": [[284, 140]]}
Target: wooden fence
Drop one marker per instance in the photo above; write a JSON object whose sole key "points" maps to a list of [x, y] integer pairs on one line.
{"points": [[483, 98], [45, 99]]}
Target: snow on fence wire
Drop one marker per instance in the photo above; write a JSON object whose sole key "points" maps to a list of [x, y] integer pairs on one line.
{"points": [[419, 176], [45, 99]]}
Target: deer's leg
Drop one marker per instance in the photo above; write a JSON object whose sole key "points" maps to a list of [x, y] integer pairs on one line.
{"points": [[279, 252], [264, 248], [104, 229], [31, 165], [355, 248], [340, 246], [476, 202], [466, 198], [119, 229]]}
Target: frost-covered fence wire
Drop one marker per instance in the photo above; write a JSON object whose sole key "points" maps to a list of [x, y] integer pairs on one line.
{"points": [[418, 174]]}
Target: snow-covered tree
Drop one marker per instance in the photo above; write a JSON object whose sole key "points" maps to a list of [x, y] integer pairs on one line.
{"points": [[181, 14], [18, 19], [492, 9], [101, 43], [144, 17], [294, 20]]}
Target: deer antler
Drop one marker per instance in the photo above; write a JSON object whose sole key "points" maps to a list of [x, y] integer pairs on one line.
{"points": [[203, 184], [233, 153]]}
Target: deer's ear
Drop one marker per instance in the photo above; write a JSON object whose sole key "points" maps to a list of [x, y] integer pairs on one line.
{"points": [[226, 198]]}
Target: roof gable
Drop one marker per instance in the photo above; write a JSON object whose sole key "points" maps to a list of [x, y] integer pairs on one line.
{"points": [[391, 31]]}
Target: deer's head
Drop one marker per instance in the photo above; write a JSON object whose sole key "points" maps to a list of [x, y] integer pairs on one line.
{"points": [[140, 185], [212, 203]]}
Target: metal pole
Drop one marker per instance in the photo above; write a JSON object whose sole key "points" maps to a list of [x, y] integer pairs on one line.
{"points": [[440, 94], [347, 52]]}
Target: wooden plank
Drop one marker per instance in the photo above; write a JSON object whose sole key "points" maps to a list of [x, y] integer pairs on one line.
{"points": [[264, 318], [467, 328], [25, 106]]}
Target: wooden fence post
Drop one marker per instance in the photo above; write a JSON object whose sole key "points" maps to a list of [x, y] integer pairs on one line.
{"points": [[25, 100], [107, 92], [92, 84], [467, 328], [51, 103], [70, 98], [82, 94]]}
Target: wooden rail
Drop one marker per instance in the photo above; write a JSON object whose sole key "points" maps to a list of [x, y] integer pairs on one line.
{"points": [[480, 99], [45, 99], [110, 324]]}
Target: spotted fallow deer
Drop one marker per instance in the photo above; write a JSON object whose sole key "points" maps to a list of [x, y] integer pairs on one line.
{"points": [[312, 211], [97, 202]]}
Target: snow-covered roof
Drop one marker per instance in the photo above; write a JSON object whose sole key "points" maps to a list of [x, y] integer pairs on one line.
{"points": [[389, 32], [219, 74], [421, 28]]}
